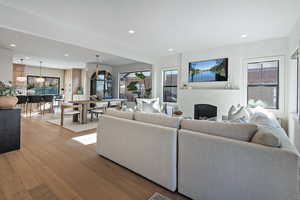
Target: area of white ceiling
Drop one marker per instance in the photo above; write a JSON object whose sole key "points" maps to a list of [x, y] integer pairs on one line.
{"points": [[183, 25], [52, 53]]}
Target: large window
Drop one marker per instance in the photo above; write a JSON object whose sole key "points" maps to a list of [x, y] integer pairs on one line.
{"points": [[263, 84], [101, 85], [135, 85], [170, 85], [49, 87]]}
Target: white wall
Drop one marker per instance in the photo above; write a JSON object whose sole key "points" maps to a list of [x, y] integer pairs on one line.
{"points": [[6, 57], [35, 71], [126, 68], [237, 55]]}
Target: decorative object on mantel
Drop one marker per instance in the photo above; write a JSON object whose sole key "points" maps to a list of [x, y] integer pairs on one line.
{"points": [[228, 85], [7, 95]]}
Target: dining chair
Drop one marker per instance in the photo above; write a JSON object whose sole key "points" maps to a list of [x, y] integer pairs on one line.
{"points": [[100, 108], [31, 100], [69, 110], [48, 99], [115, 103]]}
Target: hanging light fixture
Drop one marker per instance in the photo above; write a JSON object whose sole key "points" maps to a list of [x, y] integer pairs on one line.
{"points": [[21, 78], [97, 67], [40, 79]]}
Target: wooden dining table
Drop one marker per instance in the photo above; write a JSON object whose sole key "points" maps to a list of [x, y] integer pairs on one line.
{"points": [[84, 109]]}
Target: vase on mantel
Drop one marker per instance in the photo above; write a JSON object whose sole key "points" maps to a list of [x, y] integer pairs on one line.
{"points": [[7, 95]]}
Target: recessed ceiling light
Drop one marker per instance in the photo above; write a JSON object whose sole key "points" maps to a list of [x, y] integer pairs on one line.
{"points": [[27, 58], [244, 36], [66, 55], [12, 45], [131, 31], [170, 49]]}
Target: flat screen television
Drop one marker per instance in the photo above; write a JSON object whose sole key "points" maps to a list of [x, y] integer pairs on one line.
{"points": [[208, 70]]}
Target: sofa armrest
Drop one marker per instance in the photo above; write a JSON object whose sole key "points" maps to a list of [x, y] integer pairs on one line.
{"points": [[212, 167]]}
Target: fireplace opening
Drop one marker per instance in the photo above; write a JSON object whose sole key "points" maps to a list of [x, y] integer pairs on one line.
{"points": [[205, 111]]}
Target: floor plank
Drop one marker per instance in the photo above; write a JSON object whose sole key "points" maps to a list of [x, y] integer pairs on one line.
{"points": [[52, 166]]}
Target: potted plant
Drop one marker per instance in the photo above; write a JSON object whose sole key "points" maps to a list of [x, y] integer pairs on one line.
{"points": [[8, 97]]}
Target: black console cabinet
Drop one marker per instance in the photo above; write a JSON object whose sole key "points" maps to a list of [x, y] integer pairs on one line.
{"points": [[10, 129]]}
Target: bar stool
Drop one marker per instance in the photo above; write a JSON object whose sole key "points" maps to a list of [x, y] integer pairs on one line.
{"points": [[34, 100], [22, 100], [48, 99]]}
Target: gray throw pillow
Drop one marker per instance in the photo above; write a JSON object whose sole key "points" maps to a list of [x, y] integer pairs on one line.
{"points": [[267, 138]]}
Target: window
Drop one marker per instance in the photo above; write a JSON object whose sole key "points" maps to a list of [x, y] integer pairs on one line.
{"points": [[170, 85], [101, 85], [49, 87], [263, 84], [134, 85]]}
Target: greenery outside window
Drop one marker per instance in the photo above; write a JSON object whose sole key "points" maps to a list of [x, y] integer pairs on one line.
{"points": [[134, 85]]}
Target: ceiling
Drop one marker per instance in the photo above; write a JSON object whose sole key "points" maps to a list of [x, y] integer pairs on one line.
{"points": [[183, 25], [52, 53]]}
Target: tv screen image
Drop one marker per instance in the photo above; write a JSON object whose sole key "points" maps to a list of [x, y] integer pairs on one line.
{"points": [[208, 70]]}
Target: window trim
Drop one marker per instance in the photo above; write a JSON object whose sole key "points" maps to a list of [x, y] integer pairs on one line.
{"points": [[169, 86], [134, 71], [162, 82], [281, 85]]}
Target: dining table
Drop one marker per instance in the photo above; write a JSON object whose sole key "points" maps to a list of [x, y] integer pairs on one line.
{"points": [[84, 109]]}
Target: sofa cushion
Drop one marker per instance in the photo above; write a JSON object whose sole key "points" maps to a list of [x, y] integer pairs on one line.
{"points": [[266, 137], [120, 114], [157, 118], [243, 132]]}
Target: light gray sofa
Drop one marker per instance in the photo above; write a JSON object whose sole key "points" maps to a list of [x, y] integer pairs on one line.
{"points": [[215, 161], [143, 143], [218, 161]]}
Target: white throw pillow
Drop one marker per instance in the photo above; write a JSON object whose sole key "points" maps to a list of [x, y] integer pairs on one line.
{"points": [[261, 116], [148, 105], [238, 114]]}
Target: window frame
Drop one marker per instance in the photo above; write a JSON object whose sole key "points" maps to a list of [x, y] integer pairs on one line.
{"points": [[45, 77], [163, 86], [276, 85], [281, 81], [136, 71]]}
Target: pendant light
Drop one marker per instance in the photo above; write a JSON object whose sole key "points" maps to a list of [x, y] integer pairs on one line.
{"points": [[97, 67], [21, 78], [40, 79]]}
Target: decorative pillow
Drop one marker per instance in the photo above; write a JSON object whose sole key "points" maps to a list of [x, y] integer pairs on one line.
{"points": [[120, 114], [148, 105], [238, 114], [263, 117], [243, 132], [266, 137]]}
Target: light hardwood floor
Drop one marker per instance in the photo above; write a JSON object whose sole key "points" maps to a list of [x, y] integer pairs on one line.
{"points": [[50, 165]]}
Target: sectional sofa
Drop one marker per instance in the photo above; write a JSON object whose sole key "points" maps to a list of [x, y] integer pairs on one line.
{"points": [[201, 159]]}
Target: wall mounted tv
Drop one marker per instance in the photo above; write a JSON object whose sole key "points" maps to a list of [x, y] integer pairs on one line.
{"points": [[208, 70]]}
